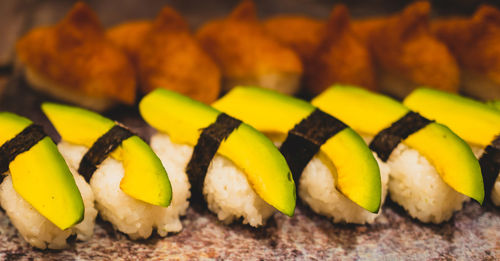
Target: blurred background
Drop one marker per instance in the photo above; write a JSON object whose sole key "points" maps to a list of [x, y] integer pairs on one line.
{"points": [[18, 16]]}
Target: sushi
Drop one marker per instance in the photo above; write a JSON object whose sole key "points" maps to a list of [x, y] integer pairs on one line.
{"points": [[475, 122], [336, 173], [432, 170], [44, 200], [232, 168], [130, 184]]}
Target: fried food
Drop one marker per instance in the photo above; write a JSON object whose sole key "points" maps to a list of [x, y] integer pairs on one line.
{"points": [[341, 57], [74, 61], [166, 55], [247, 55], [302, 34], [474, 42], [406, 54], [129, 36], [330, 51]]}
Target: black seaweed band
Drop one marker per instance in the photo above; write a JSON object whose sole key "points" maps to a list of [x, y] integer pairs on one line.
{"points": [[306, 138], [490, 165], [101, 149], [205, 149], [22, 142], [388, 139]]}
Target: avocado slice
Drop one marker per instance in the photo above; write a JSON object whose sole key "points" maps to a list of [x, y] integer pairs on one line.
{"points": [[183, 120], [495, 104], [41, 176], [145, 177], [474, 121], [271, 112], [370, 113]]}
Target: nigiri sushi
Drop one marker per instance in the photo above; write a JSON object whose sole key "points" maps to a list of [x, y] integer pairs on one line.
{"points": [[131, 187], [475, 122], [44, 200], [432, 170], [232, 167], [335, 171]]}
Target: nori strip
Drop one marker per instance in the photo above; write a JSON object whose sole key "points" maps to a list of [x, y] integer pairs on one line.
{"points": [[388, 139], [490, 165], [205, 149], [306, 138], [22, 142], [101, 149]]}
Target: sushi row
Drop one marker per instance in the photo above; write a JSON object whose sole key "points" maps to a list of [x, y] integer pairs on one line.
{"points": [[245, 156]]}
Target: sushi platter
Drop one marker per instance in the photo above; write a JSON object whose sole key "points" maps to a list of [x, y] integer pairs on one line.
{"points": [[102, 161]]}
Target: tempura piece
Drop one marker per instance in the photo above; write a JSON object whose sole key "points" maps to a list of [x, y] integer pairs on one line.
{"points": [[74, 61], [247, 55], [330, 51], [474, 42], [341, 57], [407, 55], [301, 33], [129, 36], [167, 55]]}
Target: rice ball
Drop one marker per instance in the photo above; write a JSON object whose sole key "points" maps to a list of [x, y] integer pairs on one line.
{"points": [[38, 230], [416, 185], [226, 188], [133, 217]]}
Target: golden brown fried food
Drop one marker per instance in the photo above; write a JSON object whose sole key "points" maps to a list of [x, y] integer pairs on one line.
{"points": [[475, 43], [302, 34], [247, 55], [74, 61], [406, 54], [330, 51], [166, 55], [129, 36], [341, 57]]}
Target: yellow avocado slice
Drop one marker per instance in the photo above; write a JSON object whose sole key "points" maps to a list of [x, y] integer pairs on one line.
{"points": [[494, 104], [145, 177], [41, 176], [183, 119], [370, 113], [358, 175], [474, 121]]}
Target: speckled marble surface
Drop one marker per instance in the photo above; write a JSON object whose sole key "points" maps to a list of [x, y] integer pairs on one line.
{"points": [[472, 234]]}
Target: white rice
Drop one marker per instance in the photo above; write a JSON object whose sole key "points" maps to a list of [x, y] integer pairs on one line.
{"points": [[317, 189], [495, 191], [226, 188], [128, 215], [415, 185], [38, 230]]}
